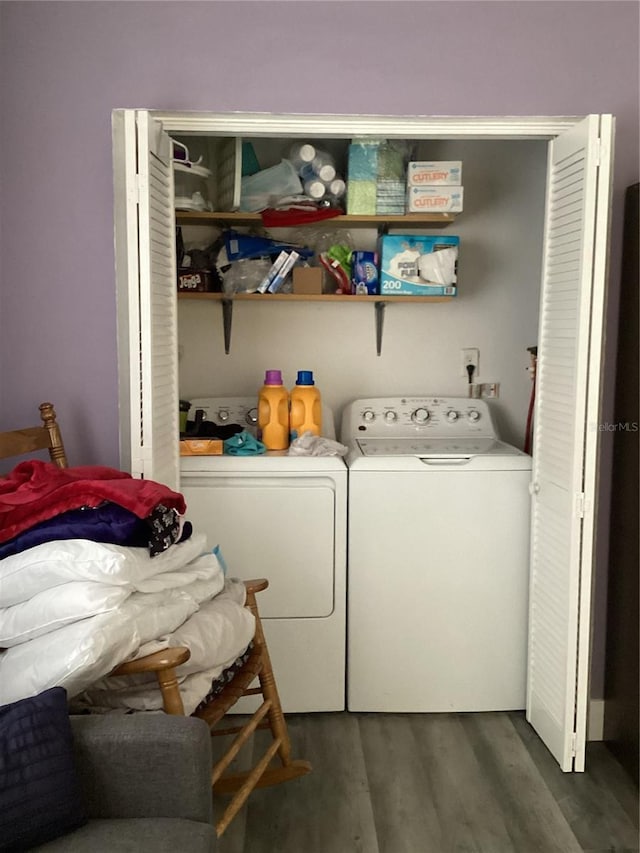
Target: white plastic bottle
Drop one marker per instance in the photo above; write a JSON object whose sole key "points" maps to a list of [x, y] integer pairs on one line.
{"points": [[302, 155], [314, 188]]}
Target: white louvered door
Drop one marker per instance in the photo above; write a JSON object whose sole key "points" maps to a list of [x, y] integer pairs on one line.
{"points": [[147, 309], [565, 436]]}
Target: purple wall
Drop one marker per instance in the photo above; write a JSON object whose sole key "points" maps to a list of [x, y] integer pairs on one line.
{"points": [[65, 66]]}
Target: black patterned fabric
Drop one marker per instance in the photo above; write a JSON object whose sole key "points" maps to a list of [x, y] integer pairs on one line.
{"points": [[164, 529], [227, 675]]}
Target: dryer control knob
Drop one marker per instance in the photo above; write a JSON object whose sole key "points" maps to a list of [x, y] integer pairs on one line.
{"points": [[473, 415], [223, 415], [390, 417], [252, 417], [368, 416], [452, 415], [420, 416]]}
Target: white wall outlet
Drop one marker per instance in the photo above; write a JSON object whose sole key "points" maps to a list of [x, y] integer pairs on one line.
{"points": [[470, 355]]}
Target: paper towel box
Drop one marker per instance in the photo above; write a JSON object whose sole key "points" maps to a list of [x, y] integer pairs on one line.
{"points": [[418, 265]]}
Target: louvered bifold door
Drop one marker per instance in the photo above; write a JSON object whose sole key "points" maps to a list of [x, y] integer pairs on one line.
{"points": [[158, 304], [567, 397]]}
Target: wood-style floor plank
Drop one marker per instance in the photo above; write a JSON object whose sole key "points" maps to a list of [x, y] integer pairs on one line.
{"points": [[435, 783], [533, 818], [328, 811], [589, 801], [463, 797], [403, 800]]}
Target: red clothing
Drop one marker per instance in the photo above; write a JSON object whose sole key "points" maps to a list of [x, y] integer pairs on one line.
{"points": [[35, 491]]}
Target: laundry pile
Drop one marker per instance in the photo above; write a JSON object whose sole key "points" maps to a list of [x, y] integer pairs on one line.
{"points": [[96, 568]]}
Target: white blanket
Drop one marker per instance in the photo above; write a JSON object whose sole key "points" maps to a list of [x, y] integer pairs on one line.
{"points": [[181, 599]]}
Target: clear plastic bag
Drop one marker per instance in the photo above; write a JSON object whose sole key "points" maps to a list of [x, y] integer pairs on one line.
{"points": [[244, 276]]}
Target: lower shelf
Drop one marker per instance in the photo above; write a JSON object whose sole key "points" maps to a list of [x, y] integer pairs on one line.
{"points": [[308, 297], [380, 302]]}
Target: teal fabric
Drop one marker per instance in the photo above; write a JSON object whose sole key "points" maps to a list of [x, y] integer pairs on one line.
{"points": [[244, 444]]}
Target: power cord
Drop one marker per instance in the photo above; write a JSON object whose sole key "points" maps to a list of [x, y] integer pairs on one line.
{"points": [[471, 369]]}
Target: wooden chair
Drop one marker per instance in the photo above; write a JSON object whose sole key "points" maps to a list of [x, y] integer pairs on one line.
{"points": [[164, 664]]}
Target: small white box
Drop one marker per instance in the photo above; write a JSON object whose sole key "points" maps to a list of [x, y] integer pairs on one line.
{"points": [[421, 173], [434, 199]]}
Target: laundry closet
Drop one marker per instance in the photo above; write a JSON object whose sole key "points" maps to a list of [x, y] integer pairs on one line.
{"points": [[525, 278]]}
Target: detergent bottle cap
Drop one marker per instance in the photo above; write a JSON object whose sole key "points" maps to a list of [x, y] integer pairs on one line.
{"points": [[273, 377], [305, 377]]}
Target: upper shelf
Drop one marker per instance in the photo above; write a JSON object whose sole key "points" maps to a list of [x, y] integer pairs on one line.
{"points": [[408, 220]]}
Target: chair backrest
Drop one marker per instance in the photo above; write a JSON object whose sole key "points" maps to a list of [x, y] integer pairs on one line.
{"points": [[46, 437]]}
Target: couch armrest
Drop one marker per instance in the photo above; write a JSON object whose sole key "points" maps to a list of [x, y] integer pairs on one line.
{"points": [[144, 765]]}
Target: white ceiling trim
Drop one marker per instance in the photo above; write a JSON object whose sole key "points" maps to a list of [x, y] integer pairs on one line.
{"points": [[399, 127]]}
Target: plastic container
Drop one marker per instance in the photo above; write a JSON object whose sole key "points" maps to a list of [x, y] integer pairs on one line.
{"points": [[267, 186], [273, 412], [301, 155], [314, 188], [191, 187], [306, 408]]}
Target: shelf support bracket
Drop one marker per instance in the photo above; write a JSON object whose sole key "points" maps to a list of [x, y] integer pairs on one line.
{"points": [[227, 317], [380, 306]]}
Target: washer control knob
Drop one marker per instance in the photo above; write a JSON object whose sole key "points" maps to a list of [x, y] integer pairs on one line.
{"points": [[420, 416], [368, 416], [452, 415], [390, 417], [473, 415], [223, 415], [252, 417]]}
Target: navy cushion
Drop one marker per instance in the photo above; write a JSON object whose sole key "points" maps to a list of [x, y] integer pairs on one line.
{"points": [[39, 792]]}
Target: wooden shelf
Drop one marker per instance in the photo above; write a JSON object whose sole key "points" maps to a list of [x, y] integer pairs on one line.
{"points": [[307, 297], [407, 220]]}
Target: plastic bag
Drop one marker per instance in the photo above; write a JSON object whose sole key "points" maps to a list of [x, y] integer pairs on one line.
{"points": [[244, 276]]}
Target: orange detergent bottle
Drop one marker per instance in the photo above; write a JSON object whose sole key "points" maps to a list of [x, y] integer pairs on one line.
{"points": [[273, 412], [306, 409]]}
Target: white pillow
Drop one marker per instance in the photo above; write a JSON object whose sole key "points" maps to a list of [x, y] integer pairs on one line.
{"points": [[56, 607], [77, 654], [53, 563]]}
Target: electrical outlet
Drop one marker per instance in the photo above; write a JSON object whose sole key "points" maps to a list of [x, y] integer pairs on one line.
{"points": [[470, 355], [490, 389]]}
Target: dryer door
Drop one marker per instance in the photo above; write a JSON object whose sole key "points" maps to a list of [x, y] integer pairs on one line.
{"points": [[281, 528]]}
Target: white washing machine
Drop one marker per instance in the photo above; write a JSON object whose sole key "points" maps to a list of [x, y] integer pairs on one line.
{"points": [[284, 518], [438, 558]]}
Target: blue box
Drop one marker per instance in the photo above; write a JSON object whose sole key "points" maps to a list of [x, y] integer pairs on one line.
{"points": [[418, 265], [364, 274]]}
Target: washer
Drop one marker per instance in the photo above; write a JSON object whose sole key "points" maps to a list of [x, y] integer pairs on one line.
{"points": [[438, 557], [283, 518]]}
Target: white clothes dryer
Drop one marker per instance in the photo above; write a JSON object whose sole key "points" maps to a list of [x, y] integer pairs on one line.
{"points": [[438, 557], [283, 518]]}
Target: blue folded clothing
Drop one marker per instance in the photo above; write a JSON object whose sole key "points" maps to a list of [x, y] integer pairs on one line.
{"points": [[244, 444]]}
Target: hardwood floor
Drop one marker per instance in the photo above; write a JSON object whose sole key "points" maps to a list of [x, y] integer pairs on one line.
{"points": [[436, 783]]}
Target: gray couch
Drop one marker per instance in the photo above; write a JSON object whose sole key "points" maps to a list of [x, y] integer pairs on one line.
{"points": [[146, 780]]}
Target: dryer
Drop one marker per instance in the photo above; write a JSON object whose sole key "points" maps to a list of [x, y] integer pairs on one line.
{"points": [[284, 518], [438, 557]]}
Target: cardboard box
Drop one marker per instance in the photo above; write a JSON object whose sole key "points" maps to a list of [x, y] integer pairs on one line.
{"points": [[307, 280], [201, 447], [422, 173], [434, 199], [418, 265], [194, 281]]}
